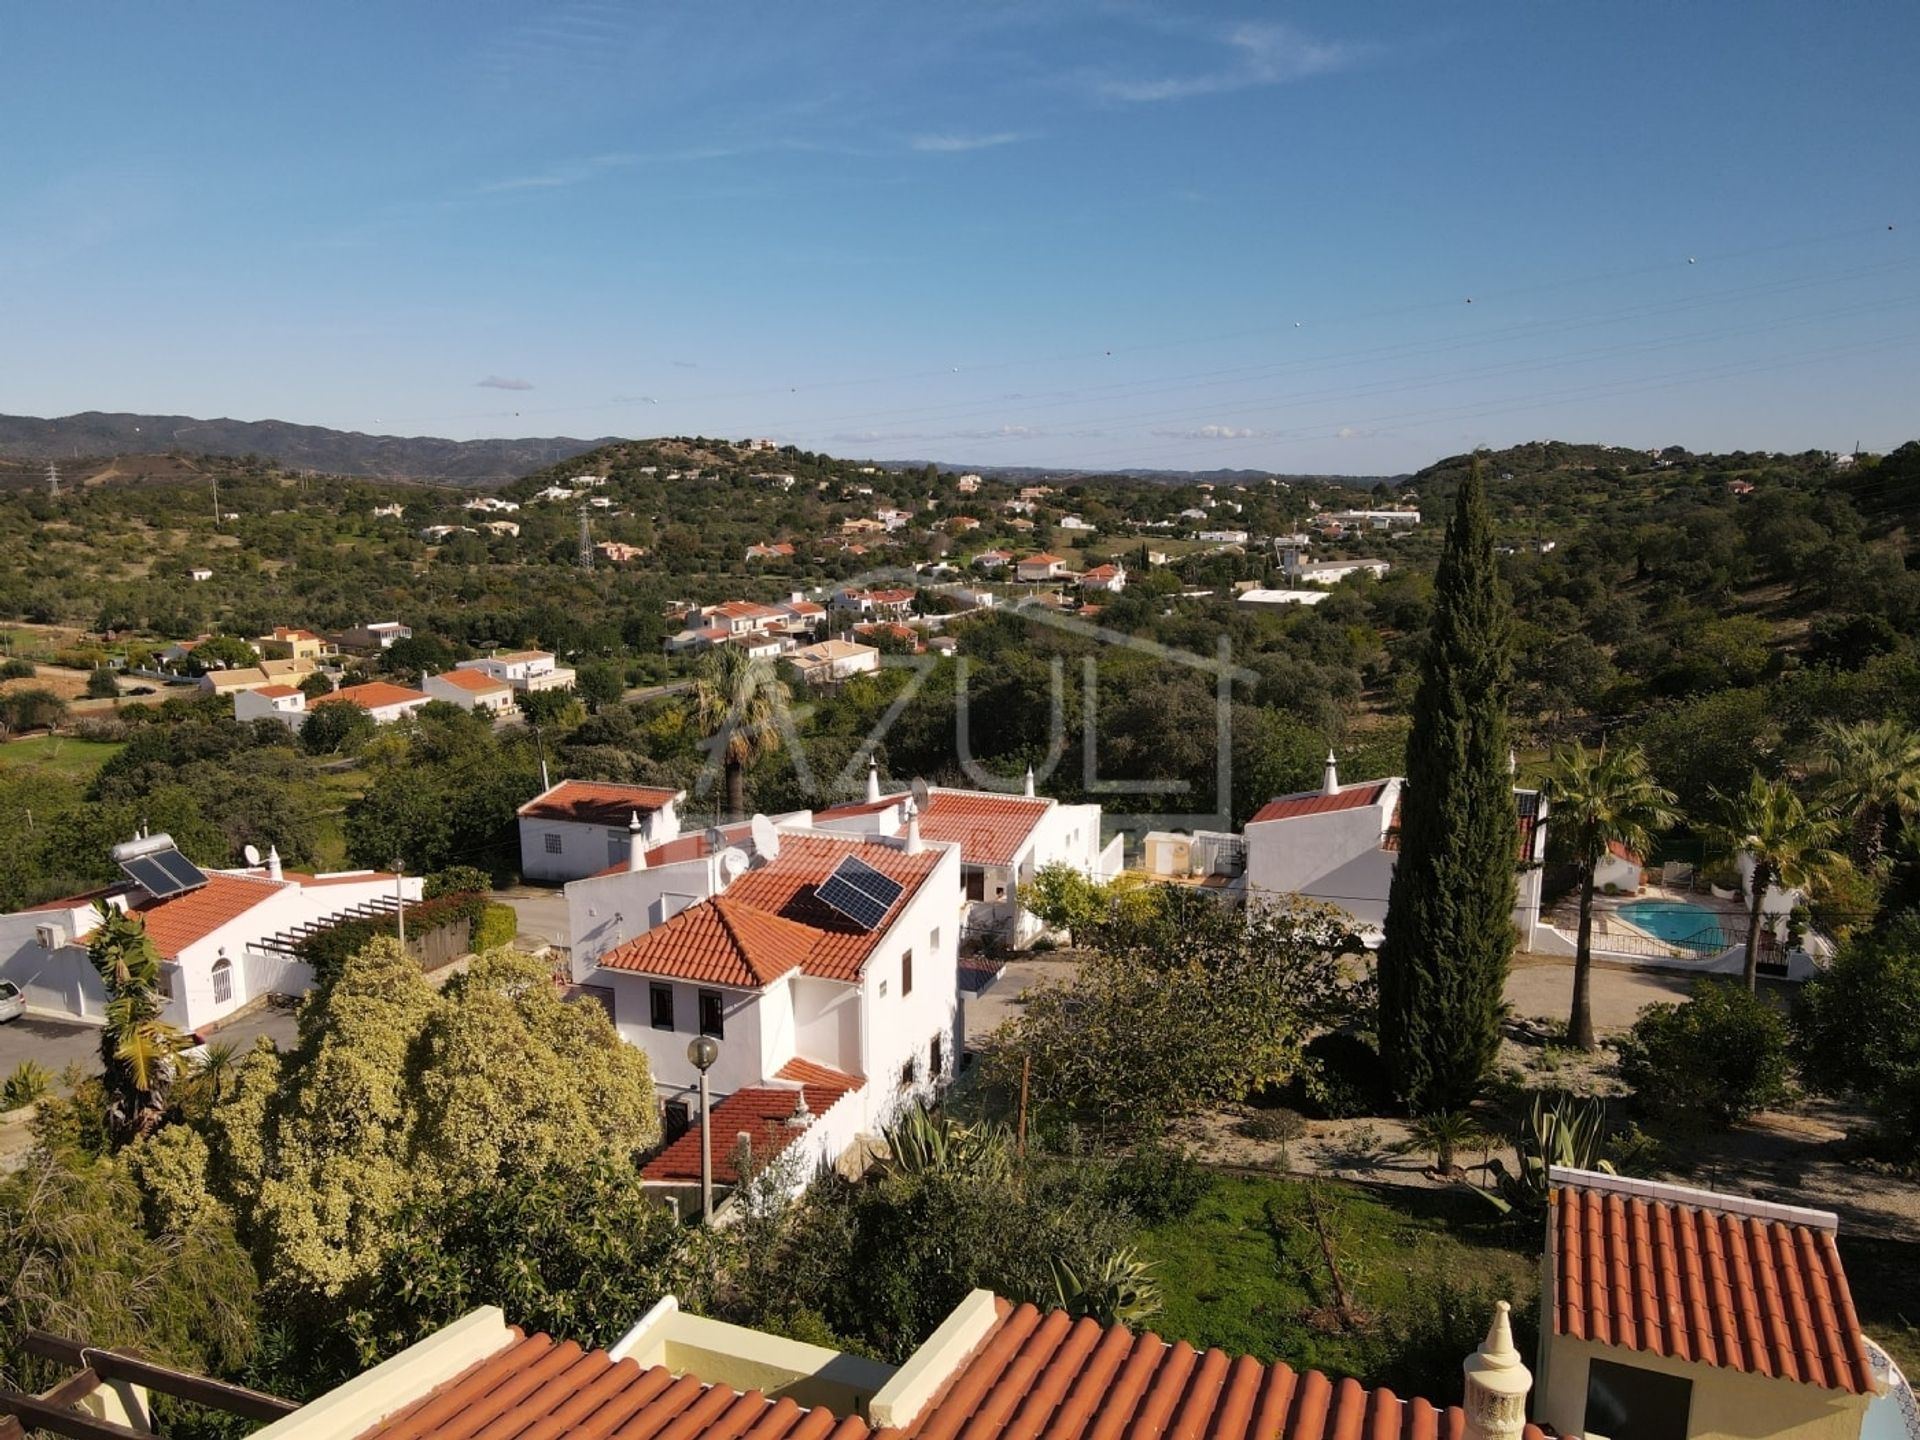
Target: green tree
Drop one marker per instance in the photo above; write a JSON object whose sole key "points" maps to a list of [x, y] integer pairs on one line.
{"points": [[34, 709], [1065, 899], [1789, 844], [1449, 927], [741, 704], [1714, 1061], [221, 652], [314, 685], [1857, 1026], [138, 1050], [1872, 769], [1599, 798], [101, 685], [601, 685], [337, 729]]}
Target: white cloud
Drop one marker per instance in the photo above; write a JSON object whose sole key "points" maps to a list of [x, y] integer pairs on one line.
{"points": [[956, 144], [1213, 432], [502, 382], [1260, 52], [566, 172]]}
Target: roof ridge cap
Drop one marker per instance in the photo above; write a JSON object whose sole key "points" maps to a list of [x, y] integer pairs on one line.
{"points": [[1693, 1197]]}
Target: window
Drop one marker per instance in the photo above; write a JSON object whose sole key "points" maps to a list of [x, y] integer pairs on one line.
{"points": [[976, 884], [660, 997], [553, 843], [1636, 1404], [166, 982], [933, 943], [906, 973], [909, 1072], [222, 981], [935, 1059], [676, 1120], [713, 1015], [883, 989]]}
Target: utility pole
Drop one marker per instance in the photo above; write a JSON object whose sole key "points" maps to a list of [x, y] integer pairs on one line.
{"points": [[400, 898], [586, 540], [216, 502], [53, 481]]}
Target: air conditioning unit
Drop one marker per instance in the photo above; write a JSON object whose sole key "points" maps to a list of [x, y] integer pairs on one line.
{"points": [[51, 936]]}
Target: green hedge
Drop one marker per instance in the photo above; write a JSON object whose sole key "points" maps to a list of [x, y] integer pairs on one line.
{"points": [[327, 951], [498, 925]]}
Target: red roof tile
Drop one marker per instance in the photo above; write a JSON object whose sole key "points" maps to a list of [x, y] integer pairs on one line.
{"points": [[1312, 802], [761, 1111], [1070, 1379], [536, 1387], [718, 942], [785, 888], [177, 922], [476, 681], [1621, 852], [1718, 1282], [989, 829], [374, 695], [590, 802], [277, 692]]}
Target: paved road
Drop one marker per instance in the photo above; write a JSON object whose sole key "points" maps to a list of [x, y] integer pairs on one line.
{"points": [[57, 1044], [1538, 985], [543, 913]]}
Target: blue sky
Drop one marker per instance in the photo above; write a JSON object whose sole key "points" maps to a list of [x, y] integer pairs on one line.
{"points": [[1325, 237]]}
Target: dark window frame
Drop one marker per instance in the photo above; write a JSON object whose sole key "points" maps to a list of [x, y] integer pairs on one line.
{"points": [[713, 1013], [656, 993], [906, 974]]}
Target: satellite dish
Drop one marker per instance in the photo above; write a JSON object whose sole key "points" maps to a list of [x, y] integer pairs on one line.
{"points": [[766, 839], [252, 852], [919, 788], [733, 862]]}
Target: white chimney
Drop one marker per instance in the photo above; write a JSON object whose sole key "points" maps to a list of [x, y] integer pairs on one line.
{"points": [[273, 863], [1029, 785], [914, 845], [1513, 761], [873, 779], [636, 844], [1330, 777], [1497, 1384]]}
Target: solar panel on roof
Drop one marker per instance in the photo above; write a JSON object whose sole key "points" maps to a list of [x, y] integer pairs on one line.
{"points": [[164, 873], [860, 892]]}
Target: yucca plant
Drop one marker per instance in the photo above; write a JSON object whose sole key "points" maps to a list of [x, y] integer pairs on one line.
{"points": [[28, 1082], [1567, 1134], [1118, 1290], [920, 1142]]}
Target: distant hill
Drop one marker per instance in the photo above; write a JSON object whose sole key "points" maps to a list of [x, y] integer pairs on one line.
{"points": [[1049, 474], [96, 435]]}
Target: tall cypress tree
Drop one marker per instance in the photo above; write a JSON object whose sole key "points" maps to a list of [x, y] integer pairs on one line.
{"points": [[1449, 930]]}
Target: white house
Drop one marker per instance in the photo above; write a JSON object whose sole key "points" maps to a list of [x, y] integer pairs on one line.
{"points": [[580, 827], [831, 661], [375, 635], [526, 671], [991, 560], [835, 1002], [493, 504], [1004, 840], [224, 936], [470, 690], [1039, 567], [199, 572], [385, 702], [285, 703], [1075, 523], [1619, 870], [887, 604], [1223, 537], [1259, 596], [1339, 844], [1109, 578], [1374, 519], [1327, 572]]}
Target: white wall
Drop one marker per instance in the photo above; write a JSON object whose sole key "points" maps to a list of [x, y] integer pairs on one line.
{"points": [[1326, 855], [898, 1026], [741, 1050], [826, 1023], [604, 911], [62, 981], [585, 849]]}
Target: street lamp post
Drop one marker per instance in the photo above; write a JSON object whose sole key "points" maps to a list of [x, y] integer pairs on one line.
{"points": [[703, 1051]]}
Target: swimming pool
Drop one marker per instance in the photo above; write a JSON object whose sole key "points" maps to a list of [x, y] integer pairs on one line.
{"points": [[1678, 922]]}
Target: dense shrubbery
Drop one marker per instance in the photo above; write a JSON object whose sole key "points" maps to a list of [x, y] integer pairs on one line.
{"points": [[1857, 1027], [1714, 1060], [329, 950]]}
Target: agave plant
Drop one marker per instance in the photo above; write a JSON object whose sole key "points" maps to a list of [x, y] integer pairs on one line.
{"points": [[1118, 1290], [920, 1142], [1568, 1134]]}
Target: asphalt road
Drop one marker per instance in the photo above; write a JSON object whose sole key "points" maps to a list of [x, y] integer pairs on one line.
{"points": [[543, 913], [57, 1044]]}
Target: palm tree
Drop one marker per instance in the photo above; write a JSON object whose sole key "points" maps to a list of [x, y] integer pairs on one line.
{"points": [[742, 706], [1873, 772], [138, 1050], [1789, 843], [1599, 798]]}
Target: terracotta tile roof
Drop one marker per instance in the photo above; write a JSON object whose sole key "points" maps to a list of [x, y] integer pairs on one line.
{"points": [[1069, 1379], [592, 802], [1709, 1278], [1621, 852], [811, 1072], [537, 1387], [277, 692], [177, 922], [691, 846], [1526, 802], [718, 942], [762, 1112], [374, 695], [743, 610], [785, 888], [1312, 802], [1043, 560], [989, 829], [477, 682]]}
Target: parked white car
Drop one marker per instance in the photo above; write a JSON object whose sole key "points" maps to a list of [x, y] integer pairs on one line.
{"points": [[12, 1003]]}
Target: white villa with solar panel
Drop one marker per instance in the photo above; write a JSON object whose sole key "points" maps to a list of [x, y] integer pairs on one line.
{"points": [[226, 937]]}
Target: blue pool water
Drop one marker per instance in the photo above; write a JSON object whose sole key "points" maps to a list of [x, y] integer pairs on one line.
{"points": [[1677, 922]]}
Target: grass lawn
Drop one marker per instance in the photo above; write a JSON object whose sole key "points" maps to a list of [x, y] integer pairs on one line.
{"points": [[60, 753], [1422, 1269]]}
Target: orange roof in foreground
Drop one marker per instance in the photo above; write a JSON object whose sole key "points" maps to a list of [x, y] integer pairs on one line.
{"points": [[538, 1386], [1720, 1283], [476, 682], [593, 802], [989, 829], [1033, 1374], [374, 695], [762, 1112], [785, 888], [177, 922], [717, 942]]}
